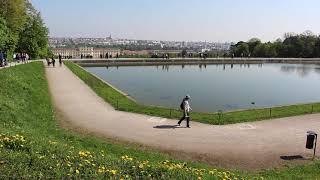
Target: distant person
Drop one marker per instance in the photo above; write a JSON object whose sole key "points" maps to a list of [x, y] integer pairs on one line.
{"points": [[53, 61], [18, 58], [5, 62], [1, 58], [185, 106], [27, 57], [48, 61], [24, 57], [60, 59]]}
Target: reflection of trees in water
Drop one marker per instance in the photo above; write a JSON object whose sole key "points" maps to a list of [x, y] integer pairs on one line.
{"points": [[288, 68], [165, 67], [304, 70], [317, 70], [301, 70], [204, 66]]}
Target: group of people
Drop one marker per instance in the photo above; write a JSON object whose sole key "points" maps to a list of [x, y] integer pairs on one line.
{"points": [[21, 57], [18, 57], [53, 61]]}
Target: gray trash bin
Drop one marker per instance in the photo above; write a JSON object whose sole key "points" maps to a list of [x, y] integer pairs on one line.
{"points": [[312, 141], [311, 137]]}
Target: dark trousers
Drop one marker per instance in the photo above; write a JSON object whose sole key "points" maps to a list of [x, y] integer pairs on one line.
{"points": [[185, 117]]}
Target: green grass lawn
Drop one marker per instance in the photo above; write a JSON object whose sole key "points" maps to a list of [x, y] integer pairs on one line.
{"points": [[123, 103], [33, 146]]}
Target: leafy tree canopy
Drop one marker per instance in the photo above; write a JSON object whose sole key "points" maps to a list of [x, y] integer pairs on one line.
{"points": [[22, 29], [306, 45]]}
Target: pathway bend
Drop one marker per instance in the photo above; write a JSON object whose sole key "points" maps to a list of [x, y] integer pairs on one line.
{"points": [[253, 145]]}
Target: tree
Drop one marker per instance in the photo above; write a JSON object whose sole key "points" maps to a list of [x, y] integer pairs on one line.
{"points": [[4, 34], [304, 45], [252, 43], [14, 12], [21, 22], [240, 49], [34, 38], [316, 50]]}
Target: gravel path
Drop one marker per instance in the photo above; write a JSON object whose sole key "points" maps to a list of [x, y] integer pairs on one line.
{"points": [[255, 145]]}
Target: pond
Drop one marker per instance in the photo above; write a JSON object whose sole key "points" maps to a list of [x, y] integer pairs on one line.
{"points": [[217, 87]]}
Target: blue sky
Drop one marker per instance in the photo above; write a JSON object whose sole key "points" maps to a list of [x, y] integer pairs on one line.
{"points": [[210, 20]]}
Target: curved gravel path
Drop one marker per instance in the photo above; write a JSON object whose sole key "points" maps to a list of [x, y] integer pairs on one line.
{"points": [[243, 146]]}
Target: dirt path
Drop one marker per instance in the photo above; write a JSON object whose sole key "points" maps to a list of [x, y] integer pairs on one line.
{"points": [[246, 146]]}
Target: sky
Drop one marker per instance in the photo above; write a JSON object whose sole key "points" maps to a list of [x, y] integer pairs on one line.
{"points": [[180, 20]]}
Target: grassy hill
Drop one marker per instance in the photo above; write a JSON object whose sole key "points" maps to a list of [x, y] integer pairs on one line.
{"points": [[32, 144]]}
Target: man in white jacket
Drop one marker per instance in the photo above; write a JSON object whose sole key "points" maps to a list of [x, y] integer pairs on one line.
{"points": [[186, 111]]}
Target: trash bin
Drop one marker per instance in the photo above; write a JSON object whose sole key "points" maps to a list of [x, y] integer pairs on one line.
{"points": [[311, 136]]}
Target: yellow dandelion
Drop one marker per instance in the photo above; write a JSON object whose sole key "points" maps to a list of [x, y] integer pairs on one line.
{"points": [[114, 172]]}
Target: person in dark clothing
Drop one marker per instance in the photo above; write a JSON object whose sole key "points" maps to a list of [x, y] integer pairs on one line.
{"points": [[48, 61], [185, 106], [5, 62], [1, 58], [53, 61], [18, 58], [24, 57], [60, 59]]}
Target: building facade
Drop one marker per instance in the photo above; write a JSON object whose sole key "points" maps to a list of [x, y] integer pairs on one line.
{"points": [[86, 52]]}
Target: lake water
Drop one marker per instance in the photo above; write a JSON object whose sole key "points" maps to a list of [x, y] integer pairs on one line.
{"points": [[217, 87]]}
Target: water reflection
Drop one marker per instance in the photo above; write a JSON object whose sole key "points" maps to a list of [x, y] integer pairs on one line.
{"points": [[302, 70], [217, 86], [224, 66]]}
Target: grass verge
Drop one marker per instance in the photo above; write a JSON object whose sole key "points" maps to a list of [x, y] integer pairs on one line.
{"points": [[123, 103]]}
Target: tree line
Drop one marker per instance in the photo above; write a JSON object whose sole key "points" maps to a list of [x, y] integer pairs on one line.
{"points": [[304, 45], [22, 29]]}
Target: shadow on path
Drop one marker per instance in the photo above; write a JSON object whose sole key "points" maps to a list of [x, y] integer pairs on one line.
{"points": [[167, 127], [290, 158]]}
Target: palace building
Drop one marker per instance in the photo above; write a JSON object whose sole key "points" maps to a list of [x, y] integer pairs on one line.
{"points": [[86, 52]]}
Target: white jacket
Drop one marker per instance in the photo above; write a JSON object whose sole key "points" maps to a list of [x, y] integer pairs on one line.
{"points": [[187, 107]]}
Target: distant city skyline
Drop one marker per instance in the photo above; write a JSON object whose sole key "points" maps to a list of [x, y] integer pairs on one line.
{"points": [[178, 20]]}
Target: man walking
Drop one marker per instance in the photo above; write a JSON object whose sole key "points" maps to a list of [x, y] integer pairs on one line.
{"points": [[60, 59], [53, 61], [185, 106]]}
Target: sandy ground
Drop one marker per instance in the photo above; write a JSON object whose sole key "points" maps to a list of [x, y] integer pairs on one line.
{"points": [[257, 145]]}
